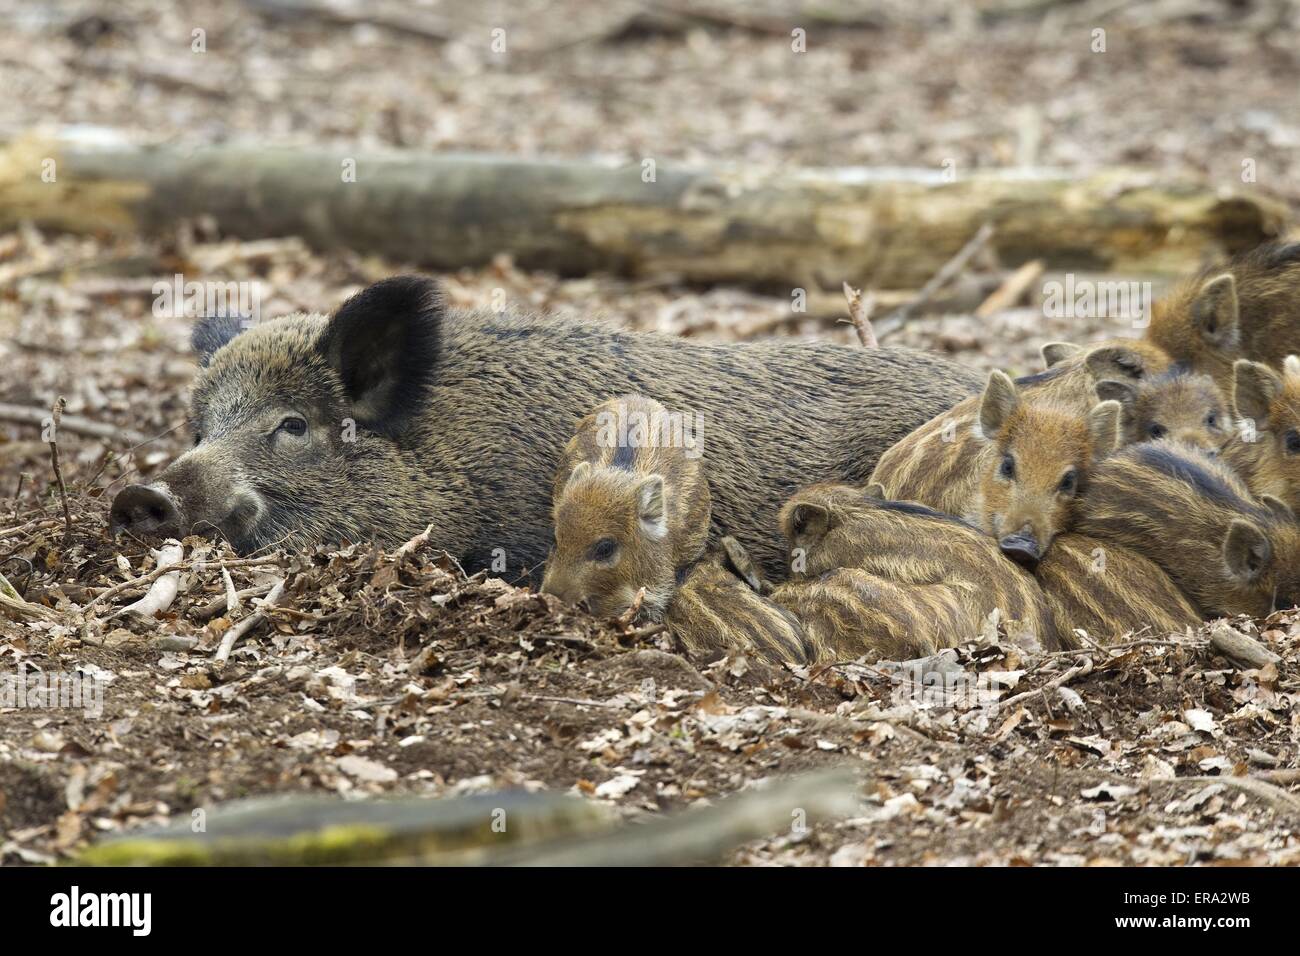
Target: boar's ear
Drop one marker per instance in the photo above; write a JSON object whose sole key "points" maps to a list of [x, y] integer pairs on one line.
{"points": [[1055, 353], [998, 402], [1246, 550], [213, 331], [1281, 510], [383, 342], [1104, 429], [650, 506], [1254, 387], [1116, 362], [877, 490], [1214, 312]]}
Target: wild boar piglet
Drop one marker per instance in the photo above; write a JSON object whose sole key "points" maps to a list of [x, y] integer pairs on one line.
{"points": [[1193, 516], [631, 509]]}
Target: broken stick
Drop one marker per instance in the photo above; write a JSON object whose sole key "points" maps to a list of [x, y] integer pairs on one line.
{"points": [[951, 269], [860, 310], [1239, 648], [162, 592], [56, 413], [232, 636]]}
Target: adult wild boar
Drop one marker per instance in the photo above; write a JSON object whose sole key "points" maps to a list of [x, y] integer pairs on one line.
{"points": [[397, 412]]}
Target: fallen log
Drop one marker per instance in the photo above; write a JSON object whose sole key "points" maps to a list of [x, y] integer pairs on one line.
{"points": [[877, 228]]}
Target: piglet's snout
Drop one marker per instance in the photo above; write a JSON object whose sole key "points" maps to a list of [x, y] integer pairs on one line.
{"points": [[145, 511]]}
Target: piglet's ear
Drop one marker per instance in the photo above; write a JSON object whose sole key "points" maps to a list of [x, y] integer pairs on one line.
{"points": [[1054, 353], [1215, 313], [212, 332], [1104, 428], [1255, 387], [383, 343], [651, 507], [1246, 550], [998, 402], [805, 523]]}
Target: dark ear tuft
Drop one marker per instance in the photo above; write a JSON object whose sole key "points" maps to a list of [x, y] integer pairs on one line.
{"points": [[213, 331], [383, 342]]}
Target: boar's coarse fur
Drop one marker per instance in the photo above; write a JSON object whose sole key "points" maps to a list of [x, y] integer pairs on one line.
{"points": [[1249, 309], [396, 413], [1192, 515], [831, 526], [631, 509], [938, 464], [1109, 590]]}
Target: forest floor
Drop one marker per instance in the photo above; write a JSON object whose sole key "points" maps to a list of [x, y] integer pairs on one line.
{"points": [[384, 676]]}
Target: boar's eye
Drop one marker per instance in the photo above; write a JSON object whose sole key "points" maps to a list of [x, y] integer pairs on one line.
{"points": [[603, 550], [1212, 420], [1156, 430], [197, 439], [1293, 442], [293, 425], [1069, 482], [1007, 469]]}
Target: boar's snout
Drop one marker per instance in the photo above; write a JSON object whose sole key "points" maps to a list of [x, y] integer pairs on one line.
{"points": [[1021, 548], [144, 511]]}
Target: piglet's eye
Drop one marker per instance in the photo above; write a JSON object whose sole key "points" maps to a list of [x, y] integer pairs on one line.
{"points": [[1292, 442], [1069, 482], [293, 425], [1157, 430], [1008, 467], [602, 550]]}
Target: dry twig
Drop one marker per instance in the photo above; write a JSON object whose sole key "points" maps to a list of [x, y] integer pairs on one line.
{"points": [[56, 414], [950, 270], [860, 310], [1010, 292], [233, 635], [1077, 671], [162, 592]]}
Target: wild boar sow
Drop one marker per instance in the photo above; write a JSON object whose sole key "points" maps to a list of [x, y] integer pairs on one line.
{"points": [[397, 412]]}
